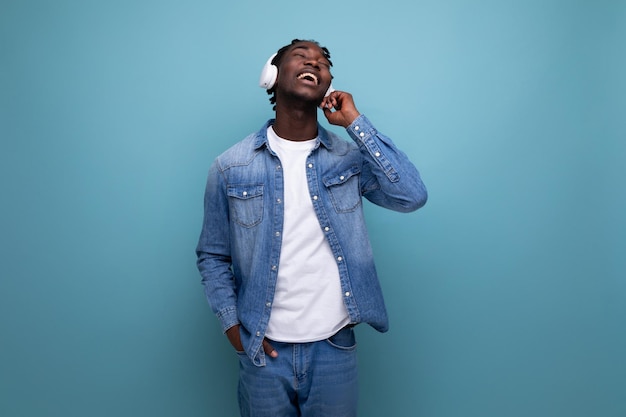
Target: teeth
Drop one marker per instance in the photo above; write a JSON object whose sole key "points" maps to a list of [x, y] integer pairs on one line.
{"points": [[308, 74]]}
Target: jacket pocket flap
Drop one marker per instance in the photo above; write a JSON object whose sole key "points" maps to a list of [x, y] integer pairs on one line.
{"points": [[341, 177], [245, 191]]}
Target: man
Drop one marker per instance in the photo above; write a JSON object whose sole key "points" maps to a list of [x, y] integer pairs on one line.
{"points": [[284, 254]]}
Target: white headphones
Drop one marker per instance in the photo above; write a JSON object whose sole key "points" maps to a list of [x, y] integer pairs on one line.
{"points": [[269, 74]]}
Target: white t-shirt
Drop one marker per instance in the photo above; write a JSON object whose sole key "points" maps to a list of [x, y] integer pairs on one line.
{"points": [[308, 303]]}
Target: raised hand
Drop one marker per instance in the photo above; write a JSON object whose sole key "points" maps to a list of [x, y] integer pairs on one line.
{"points": [[345, 111]]}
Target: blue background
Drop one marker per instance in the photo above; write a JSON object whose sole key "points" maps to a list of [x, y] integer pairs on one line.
{"points": [[507, 292]]}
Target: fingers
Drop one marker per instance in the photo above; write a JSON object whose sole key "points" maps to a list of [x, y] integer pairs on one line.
{"points": [[235, 340], [328, 103], [334, 100], [331, 106], [268, 349]]}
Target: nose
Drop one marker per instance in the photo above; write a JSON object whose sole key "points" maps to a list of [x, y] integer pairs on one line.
{"points": [[312, 63]]}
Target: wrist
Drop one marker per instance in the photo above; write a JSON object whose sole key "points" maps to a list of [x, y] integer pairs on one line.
{"points": [[234, 337], [351, 117]]}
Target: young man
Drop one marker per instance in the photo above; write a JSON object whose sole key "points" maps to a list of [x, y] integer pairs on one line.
{"points": [[284, 255]]}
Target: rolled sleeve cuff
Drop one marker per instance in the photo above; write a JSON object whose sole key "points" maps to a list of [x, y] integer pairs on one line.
{"points": [[228, 318]]}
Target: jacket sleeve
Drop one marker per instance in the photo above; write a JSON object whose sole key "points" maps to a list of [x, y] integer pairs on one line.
{"points": [[388, 179], [213, 251]]}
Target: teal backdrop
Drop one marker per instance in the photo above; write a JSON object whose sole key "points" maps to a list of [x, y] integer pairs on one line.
{"points": [[506, 292]]}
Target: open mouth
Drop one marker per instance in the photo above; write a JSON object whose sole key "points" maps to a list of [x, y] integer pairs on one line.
{"points": [[308, 76]]}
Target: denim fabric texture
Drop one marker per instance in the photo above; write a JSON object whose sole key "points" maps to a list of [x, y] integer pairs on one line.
{"points": [[317, 379], [239, 246]]}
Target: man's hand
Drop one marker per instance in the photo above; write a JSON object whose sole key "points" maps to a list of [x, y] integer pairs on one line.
{"points": [[345, 111], [234, 337]]}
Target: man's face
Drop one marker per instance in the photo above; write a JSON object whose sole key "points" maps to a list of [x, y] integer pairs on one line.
{"points": [[304, 72]]}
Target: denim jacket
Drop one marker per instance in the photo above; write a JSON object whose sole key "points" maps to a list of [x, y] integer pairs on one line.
{"points": [[240, 242]]}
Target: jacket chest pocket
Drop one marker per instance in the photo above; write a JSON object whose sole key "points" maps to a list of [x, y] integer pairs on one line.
{"points": [[246, 203], [344, 190]]}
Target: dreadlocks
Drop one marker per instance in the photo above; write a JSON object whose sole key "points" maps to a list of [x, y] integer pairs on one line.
{"points": [[279, 56]]}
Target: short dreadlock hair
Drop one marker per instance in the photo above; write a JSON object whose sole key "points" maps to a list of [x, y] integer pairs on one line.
{"points": [[279, 56]]}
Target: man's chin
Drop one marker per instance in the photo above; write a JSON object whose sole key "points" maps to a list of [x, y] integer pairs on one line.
{"points": [[307, 97]]}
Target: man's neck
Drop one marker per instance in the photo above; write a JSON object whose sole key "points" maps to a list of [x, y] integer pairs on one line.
{"points": [[296, 124]]}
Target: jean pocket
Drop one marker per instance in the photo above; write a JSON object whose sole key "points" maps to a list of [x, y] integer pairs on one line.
{"points": [[344, 339]]}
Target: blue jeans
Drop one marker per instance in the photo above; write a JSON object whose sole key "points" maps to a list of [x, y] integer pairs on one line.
{"points": [[317, 379]]}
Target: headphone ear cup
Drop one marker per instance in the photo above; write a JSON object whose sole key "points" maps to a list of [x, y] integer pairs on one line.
{"points": [[269, 73]]}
